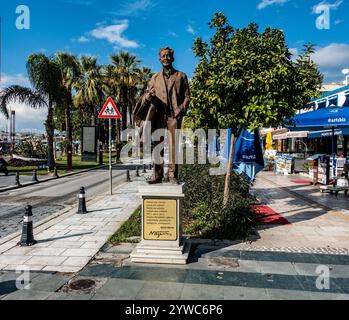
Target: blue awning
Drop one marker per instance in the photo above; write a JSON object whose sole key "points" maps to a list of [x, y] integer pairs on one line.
{"points": [[319, 119], [328, 133]]}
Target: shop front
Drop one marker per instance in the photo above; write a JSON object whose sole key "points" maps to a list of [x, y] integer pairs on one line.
{"points": [[327, 132]]}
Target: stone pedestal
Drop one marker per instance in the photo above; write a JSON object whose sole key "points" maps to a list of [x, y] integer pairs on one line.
{"points": [[162, 240]]}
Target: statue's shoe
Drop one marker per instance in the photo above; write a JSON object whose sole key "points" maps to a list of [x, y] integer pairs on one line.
{"points": [[173, 180], [154, 181]]}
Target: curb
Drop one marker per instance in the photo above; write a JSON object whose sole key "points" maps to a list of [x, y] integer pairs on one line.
{"points": [[52, 178]]}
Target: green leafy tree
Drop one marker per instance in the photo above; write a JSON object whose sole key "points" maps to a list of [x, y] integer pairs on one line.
{"points": [[246, 78]]}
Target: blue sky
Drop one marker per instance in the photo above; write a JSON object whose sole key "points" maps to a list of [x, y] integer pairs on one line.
{"points": [[143, 26]]}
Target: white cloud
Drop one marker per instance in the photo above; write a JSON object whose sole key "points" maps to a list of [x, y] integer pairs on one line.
{"points": [[17, 79], [27, 118], [190, 29], [133, 8], [333, 6], [331, 60], [266, 3], [113, 34], [83, 39], [333, 55], [295, 53]]}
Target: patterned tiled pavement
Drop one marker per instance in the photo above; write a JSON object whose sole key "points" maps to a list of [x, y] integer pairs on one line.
{"points": [[279, 262], [68, 245]]}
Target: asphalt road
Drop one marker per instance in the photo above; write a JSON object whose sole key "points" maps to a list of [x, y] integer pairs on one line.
{"points": [[10, 180], [52, 196]]}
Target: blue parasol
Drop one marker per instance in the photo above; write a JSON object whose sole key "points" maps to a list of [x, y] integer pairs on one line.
{"points": [[248, 155]]}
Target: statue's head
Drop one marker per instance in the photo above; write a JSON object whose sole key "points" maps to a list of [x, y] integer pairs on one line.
{"points": [[166, 57]]}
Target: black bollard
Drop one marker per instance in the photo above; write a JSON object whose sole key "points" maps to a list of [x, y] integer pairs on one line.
{"points": [[100, 155], [137, 172], [27, 238], [55, 173], [150, 166], [18, 184], [82, 201], [144, 169], [128, 178], [35, 176]]}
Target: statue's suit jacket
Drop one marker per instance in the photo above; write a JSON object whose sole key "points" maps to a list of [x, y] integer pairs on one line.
{"points": [[178, 89]]}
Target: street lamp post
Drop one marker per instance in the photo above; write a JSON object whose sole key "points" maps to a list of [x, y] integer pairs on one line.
{"points": [[306, 148]]}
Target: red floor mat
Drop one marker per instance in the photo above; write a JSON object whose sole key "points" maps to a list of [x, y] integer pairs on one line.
{"points": [[301, 181], [268, 215]]}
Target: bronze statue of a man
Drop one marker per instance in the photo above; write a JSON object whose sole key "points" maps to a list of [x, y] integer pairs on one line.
{"points": [[164, 104]]}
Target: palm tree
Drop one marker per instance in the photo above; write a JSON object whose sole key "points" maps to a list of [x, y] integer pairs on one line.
{"points": [[45, 78], [144, 75], [70, 72], [22, 95], [88, 86], [126, 70], [3, 109]]}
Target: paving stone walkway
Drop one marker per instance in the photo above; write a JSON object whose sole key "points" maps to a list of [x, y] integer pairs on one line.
{"points": [[257, 276], [11, 216], [67, 246], [318, 222]]}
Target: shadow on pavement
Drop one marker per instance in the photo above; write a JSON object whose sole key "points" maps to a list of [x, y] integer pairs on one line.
{"points": [[63, 237], [7, 287]]}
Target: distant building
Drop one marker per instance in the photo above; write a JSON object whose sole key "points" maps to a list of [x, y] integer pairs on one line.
{"points": [[327, 87], [337, 97]]}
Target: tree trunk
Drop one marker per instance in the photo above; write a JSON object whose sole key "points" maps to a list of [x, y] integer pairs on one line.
{"points": [[124, 108], [50, 136], [118, 133], [93, 116], [69, 136], [229, 168], [130, 108]]}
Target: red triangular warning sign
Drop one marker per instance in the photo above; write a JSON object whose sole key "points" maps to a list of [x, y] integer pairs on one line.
{"points": [[109, 110]]}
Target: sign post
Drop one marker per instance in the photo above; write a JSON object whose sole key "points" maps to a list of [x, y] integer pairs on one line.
{"points": [[110, 111], [110, 167]]}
